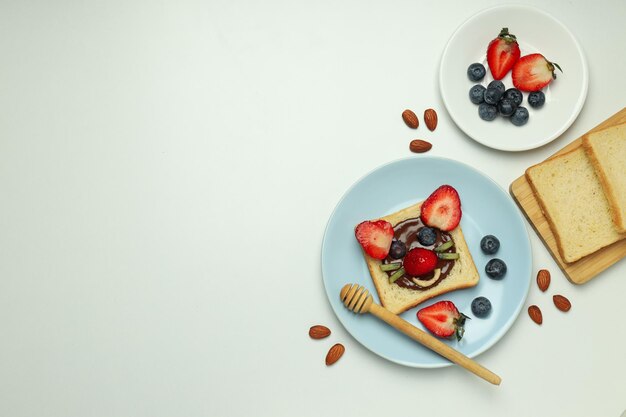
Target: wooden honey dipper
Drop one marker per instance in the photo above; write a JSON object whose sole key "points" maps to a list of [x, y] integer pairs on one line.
{"points": [[358, 300]]}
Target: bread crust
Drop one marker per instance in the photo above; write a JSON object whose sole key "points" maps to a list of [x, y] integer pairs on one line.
{"points": [[607, 186], [411, 298], [542, 204]]}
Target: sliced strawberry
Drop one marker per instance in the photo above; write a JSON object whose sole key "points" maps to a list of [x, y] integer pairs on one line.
{"points": [[502, 53], [443, 319], [533, 72], [442, 209], [375, 237], [419, 261]]}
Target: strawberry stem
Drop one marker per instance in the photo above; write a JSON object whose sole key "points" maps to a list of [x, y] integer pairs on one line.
{"points": [[551, 66], [459, 326], [506, 36], [558, 66]]}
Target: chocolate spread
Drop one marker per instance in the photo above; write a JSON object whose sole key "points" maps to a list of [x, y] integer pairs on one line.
{"points": [[406, 232]]}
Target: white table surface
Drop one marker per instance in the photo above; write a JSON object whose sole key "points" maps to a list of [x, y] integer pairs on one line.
{"points": [[166, 173]]}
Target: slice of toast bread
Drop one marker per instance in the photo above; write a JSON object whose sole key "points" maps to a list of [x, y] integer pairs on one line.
{"points": [[607, 151], [572, 200], [398, 299]]}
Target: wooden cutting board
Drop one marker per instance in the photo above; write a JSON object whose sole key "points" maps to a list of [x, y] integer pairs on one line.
{"points": [[590, 266]]}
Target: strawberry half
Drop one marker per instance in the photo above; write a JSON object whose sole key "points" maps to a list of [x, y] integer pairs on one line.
{"points": [[443, 319], [502, 53], [375, 237], [533, 72], [419, 261], [442, 209]]}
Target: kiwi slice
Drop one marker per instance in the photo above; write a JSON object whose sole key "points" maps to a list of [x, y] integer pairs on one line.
{"points": [[444, 246], [448, 256], [396, 275], [390, 266]]}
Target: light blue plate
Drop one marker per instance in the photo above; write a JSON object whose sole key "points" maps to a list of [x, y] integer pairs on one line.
{"points": [[487, 209]]}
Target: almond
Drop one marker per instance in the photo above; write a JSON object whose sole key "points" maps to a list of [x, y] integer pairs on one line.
{"points": [[419, 146], [335, 352], [319, 332], [430, 118], [561, 303], [543, 279], [410, 119], [535, 314]]}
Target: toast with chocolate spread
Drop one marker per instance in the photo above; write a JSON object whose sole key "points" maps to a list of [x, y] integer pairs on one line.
{"points": [[405, 292]]}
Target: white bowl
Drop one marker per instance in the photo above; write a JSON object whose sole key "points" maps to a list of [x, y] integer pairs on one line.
{"points": [[536, 31]]}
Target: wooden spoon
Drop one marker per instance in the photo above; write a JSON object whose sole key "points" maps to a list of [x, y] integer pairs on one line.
{"points": [[358, 300]]}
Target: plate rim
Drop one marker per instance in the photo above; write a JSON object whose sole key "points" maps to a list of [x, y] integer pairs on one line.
{"points": [[581, 98], [501, 331]]}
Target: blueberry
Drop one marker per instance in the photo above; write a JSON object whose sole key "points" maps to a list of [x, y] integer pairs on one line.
{"points": [[490, 244], [506, 107], [487, 112], [492, 95], [536, 99], [495, 268], [520, 117], [397, 250], [477, 94], [481, 307], [427, 236], [515, 95], [497, 84], [476, 72]]}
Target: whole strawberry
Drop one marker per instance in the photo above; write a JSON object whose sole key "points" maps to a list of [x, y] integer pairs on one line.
{"points": [[419, 261], [443, 319], [533, 72], [502, 53]]}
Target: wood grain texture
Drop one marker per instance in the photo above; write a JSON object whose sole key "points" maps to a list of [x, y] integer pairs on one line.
{"points": [[590, 266]]}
